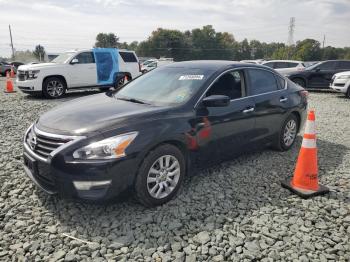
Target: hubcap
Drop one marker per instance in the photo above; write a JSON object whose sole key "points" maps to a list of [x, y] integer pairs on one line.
{"points": [[55, 88], [290, 132], [163, 176]]}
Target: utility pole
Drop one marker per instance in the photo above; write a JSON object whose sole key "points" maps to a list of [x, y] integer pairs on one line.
{"points": [[324, 41], [13, 51], [290, 42]]}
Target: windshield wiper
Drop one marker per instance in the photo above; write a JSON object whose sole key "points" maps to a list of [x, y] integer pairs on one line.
{"points": [[133, 100]]}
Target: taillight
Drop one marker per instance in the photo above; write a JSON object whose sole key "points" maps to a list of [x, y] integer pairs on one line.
{"points": [[304, 94]]}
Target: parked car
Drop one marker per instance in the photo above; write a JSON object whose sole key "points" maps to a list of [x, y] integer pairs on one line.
{"points": [[256, 62], [98, 67], [341, 82], [285, 67], [4, 68], [154, 63], [150, 133], [319, 75]]}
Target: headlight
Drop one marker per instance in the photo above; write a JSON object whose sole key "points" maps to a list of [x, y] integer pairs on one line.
{"points": [[343, 77], [112, 147], [32, 74]]}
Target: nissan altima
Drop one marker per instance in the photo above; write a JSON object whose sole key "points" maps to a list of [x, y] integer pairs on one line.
{"points": [[152, 132]]}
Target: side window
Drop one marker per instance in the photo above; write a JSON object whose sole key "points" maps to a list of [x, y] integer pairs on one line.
{"points": [[343, 65], [86, 58], [128, 57], [270, 64], [281, 65], [230, 84], [281, 82], [327, 65], [293, 64], [261, 81]]}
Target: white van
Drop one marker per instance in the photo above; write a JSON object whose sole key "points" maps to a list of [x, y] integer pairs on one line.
{"points": [[97, 67]]}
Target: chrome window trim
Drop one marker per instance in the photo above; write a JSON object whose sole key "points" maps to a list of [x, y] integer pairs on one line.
{"points": [[73, 139], [232, 69]]}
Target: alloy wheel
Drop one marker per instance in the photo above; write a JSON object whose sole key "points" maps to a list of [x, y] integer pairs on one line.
{"points": [[163, 176], [55, 88], [290, 132]]}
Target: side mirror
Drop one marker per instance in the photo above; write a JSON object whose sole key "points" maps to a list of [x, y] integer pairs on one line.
{"points": [[317, 69], [74, 61], [216, 101]]}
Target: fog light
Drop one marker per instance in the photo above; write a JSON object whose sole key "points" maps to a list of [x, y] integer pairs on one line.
{"points": [[88, 185]]}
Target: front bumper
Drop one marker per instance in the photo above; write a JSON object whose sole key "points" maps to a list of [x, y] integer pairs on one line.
{"points": [[97, 180], [29, 86]]}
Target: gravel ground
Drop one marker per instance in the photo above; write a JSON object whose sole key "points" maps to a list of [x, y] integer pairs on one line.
{"points": [[236, 211]]}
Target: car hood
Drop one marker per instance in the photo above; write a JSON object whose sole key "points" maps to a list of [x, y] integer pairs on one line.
{"points": [[94, 114], [346, 73], [37, 66]]}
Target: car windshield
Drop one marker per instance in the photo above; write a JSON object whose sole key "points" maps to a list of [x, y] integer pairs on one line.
{"points": [[62, 57], [165, 86]]}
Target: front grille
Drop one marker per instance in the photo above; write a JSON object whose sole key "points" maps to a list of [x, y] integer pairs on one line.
{"points": [[43, 144], [22, 75]]}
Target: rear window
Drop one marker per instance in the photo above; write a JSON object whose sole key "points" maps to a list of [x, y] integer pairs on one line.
{"points": [[128, 57], [261, 81]]}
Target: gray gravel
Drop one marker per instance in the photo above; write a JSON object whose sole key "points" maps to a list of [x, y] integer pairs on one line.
{"points": [[236, 211]]}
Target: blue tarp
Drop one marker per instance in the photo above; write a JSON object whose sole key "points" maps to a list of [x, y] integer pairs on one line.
{"points": [[106, 64]]}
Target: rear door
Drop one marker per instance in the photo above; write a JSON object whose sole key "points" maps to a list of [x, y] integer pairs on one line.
{"points": [[130, 63], [83, 73], [321, 76], [271, 103]]}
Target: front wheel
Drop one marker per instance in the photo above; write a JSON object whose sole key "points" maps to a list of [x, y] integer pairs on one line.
{"points": [[288, 133], [54, 87], [348, 93], [160, 175]]}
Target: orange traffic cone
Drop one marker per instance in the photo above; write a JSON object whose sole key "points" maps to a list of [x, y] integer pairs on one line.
{"points": [[305, 179], [125, 80], [9, 84], [12, 74]]}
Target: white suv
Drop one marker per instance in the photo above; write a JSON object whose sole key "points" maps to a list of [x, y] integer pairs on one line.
{"points": [[97, 67], [285, 67], [341, 82]]}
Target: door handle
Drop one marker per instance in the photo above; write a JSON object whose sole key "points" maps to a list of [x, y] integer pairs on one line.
{"points": [[283, 99], [250, 109]]}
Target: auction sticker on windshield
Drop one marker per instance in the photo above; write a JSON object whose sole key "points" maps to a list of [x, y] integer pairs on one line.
{"points": [[191, 77]]}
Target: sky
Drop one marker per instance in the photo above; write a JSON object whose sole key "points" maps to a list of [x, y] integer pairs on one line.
{"points": [[61, 25]]}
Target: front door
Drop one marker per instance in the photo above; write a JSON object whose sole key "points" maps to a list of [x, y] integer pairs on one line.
{"points": [[83, 70], [226, 131], [321, 75]]}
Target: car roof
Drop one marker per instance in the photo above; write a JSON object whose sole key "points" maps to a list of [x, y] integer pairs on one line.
{"points": [[212, 64], [291, 61]]}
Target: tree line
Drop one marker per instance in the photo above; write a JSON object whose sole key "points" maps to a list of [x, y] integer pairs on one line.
{"points": [[206, 43]]}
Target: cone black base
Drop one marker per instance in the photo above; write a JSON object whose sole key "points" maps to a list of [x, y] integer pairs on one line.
{"points": [[305, 195]]}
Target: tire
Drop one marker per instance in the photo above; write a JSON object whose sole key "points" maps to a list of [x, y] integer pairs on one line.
{"points": [[149, 184], [348, 93], [54, 87], [291, 123], [299, 81], [120, 82]]}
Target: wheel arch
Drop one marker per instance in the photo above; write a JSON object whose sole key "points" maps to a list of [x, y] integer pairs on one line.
{"points": [[58, 76], [300, 77], [298, 116]]}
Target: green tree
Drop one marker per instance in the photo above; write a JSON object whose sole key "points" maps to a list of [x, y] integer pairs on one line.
{"points": [[109, 40], [39, 52], [308, 50]]}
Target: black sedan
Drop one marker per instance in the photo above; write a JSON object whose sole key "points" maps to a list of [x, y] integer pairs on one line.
{"points": [[319, 75], [149, 134]]}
